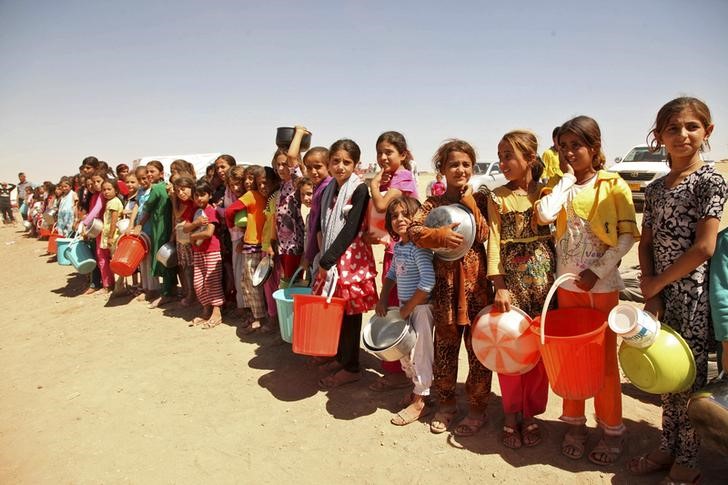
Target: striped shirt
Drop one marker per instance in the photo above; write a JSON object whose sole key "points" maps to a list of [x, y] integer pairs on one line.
{"points": [[412, 270]]}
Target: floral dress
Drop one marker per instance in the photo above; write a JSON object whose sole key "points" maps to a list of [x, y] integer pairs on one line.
{"points": [[673, 215]]}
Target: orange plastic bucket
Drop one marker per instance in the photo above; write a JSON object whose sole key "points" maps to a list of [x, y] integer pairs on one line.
{"points": [[130, 252], [52, 247], [317, 324], [572, 347]]}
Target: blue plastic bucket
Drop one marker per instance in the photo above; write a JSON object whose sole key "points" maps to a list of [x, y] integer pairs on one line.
{"points": [[284, 304], [61, 246], [80, 256]]}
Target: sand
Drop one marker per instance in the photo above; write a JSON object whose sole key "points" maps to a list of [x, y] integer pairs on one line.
{"points": [[94, 391]]}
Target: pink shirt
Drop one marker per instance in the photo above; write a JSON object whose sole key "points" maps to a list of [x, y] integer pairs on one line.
{"points": [[404, 181], [211, 244]]}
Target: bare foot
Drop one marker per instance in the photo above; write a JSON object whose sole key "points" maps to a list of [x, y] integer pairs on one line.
{"points": [[161, 301], [90, 291]]}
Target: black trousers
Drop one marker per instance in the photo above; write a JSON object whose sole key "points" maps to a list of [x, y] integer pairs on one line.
{"points": [[348, 351]]}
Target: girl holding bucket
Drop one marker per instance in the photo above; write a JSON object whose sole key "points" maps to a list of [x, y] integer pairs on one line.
{"points": [[681, 218], [344, 253], [521, 264], [461, 290], [595, 227], [66, 208], [107, 239], [412, 272], [149, 282]]}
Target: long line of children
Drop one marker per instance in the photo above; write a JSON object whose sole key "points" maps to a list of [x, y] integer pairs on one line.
{"points": [[534, 229]]}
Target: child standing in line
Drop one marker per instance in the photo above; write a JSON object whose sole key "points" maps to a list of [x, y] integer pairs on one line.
{"points": [[150, 283], [461, 291], [412, 273], [236, 187], [595, 227], [681, 219], [106, 241], [269, 245], [521, 264], [207, 259], [184, 212], [344, 253], [392, 181], [253, 202], [316, 161], [97, 206], [289, 223], [66, 208]]}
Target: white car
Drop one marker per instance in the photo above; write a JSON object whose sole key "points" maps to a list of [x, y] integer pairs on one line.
{"points": [[487, 174], [640, 167]]}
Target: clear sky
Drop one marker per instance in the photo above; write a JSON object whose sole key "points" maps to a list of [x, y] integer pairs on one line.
{"points": [[124, 80]]}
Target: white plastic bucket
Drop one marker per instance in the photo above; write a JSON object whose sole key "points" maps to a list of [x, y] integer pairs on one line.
{"points": [[637, 328]]}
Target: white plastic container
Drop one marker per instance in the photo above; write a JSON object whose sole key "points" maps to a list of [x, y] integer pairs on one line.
{"points": [[637, 328]]}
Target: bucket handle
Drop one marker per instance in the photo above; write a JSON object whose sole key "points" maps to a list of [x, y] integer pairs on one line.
{"points": [[561, 279], [294, 276]]}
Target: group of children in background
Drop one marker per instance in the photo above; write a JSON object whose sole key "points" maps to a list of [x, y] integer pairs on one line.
{"points": [[575, 218]]}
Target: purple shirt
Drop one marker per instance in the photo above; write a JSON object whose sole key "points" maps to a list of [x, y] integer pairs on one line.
{"points": [[404, 181], [311, 247], [97, 206]]}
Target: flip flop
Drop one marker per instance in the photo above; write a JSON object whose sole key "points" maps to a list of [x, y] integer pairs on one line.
{"points": [[407, 416], [338, 379], [644, 465], [510, 438], [608, 452], [441, 422], [469, 426], [531, 435]]}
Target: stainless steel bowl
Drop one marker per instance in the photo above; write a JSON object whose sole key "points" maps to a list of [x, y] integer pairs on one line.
{"points": [[262, 271], [167, 255], [389, 337], [123, 225], [449, 214]]}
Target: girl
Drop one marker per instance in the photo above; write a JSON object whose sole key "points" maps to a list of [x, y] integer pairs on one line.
{"points": [[595, 227], [106, 241], [5, 204], [289, 222], [236, 177], [66, 208], [182, 167], [253, 202], [184, 211], [316, 162], [412, 272], [343, 207], [207, 260], [521, 264], [461, 290], [157, 210], [269, 245], [681, 218], [392, 181], [97, 206], [222, 198], [150, 283]]}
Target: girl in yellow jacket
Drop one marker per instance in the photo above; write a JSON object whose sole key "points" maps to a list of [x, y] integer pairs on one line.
{"points": [[595, 227]]}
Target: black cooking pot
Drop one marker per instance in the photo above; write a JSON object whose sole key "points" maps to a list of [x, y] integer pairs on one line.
{"points": [[284, 137]]}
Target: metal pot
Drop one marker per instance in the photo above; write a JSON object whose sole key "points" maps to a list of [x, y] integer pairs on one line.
{"points": [[27, 225], [123, 225], [263, 271], [389, 337], [49, 216], [96, 227], [167, 255], [449, 214], [284, 137]]}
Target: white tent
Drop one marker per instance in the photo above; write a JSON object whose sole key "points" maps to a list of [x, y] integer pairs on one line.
{"points": [[199, 160]]}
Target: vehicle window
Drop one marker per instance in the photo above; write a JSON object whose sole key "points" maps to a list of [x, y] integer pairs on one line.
{"points": [[642, 154], [494, 168], [480, 167]]}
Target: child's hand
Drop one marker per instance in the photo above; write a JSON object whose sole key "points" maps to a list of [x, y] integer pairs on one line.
{"points": [[239, 247], [381, 308], [655, 306], [301, 128], [137, 230], [201, 221], [453, 239], [587, 280], [565, 166], [502, 301]]}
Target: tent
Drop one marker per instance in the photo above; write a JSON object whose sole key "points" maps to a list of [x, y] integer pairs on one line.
{"points": [[199, 160]]}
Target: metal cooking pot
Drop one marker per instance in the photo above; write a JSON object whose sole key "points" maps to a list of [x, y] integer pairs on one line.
{"points": [[449, 214], [96, 227], [49, 216], [389, 337], [262, 271], [284, 137], [167, 255], [123, 225]]}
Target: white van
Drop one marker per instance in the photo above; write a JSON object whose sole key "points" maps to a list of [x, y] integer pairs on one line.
{"points": [[640, 167]]}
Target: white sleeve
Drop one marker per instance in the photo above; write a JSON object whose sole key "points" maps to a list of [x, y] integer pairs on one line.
{"points": [[610, 261], [550, 205]]}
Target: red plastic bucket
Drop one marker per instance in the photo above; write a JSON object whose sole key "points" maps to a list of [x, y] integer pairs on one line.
{"points": [[317, 324], [52, 248], [130, 252], [572, 347]]}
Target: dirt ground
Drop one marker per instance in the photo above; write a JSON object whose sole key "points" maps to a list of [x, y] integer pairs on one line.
{"points": [[93, 391]]}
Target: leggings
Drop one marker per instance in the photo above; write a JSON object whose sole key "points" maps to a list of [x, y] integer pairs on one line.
{"points": [[348, 352]]}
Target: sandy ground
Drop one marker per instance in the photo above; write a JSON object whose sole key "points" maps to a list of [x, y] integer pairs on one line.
{"points": [[113, 392]]}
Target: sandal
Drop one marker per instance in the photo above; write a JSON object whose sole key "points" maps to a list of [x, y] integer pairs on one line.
{"points": [[644, 465], [388, 383], [338, 379], [607, 453], [469, 426], [441, 422], [668, 480], [510, 438], [211, 323], [408, 415], [573, 445], [531, 435], [197, 321]]}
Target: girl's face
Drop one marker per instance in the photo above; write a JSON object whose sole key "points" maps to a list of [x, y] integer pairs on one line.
{"points": [[341, 166], [306, 194], [108, 190], [237, 186], [132, 184], [458, 169], [65, 188], [97, 183], [684, 134], [58, 191], [202, 199], [281, 167], [577, 154], [184, 193], [154, 174], [388, 157], [222, 167], [122, 174], [263, 185], [249, 183], [316, 168], [401, 221], [511, 161], [143, 179], [89, 184]]}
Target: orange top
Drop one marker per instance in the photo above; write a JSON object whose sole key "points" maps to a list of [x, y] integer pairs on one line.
{"points": [[255, 205]]}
